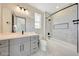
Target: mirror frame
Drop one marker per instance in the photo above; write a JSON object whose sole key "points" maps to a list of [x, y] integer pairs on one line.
{"points": [[14, 22]]}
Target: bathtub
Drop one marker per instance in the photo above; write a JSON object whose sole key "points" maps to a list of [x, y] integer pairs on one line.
{"points": [[57, 47]]}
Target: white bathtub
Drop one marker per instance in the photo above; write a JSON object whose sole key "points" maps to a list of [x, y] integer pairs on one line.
{"points": [[60, 48]]}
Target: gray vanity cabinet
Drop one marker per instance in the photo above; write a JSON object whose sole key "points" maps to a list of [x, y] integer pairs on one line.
{"points": [[20, 46], [24, 46]]}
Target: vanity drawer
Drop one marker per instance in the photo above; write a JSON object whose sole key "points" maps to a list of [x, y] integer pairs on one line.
{"points": [[4, 51], [25, 40], [34, 38], [15, 41], [34, 44], [34, 50], [3, 43]]}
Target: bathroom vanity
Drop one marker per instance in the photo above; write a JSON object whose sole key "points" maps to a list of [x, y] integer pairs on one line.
{"points": [[16, 44]]}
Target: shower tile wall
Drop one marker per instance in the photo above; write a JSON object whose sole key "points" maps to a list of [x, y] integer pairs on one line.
{"points": [[65, 33]]}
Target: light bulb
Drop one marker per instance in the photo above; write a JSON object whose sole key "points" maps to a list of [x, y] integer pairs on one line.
{"points": [[18, 8], [27, 12], [22, 9]]}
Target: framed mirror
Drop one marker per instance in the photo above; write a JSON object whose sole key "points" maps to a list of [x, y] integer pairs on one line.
{"points": [[19, 24]]}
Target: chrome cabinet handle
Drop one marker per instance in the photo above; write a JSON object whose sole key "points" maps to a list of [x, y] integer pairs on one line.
{"points": [[20, 48], [23, 47]]}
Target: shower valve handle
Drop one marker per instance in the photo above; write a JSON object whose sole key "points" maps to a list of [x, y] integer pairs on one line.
{"points": [[76, 21]]}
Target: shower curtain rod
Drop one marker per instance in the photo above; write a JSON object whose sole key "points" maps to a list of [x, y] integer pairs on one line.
{"points": [[61, 10]]}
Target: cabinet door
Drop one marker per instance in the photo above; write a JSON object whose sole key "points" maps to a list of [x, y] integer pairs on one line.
{"points": [[4, 51], [15, 50], [3, 43], [0, 25], [0, 10], [15, 47], [20, 47], [26, 46], [0, 18]]}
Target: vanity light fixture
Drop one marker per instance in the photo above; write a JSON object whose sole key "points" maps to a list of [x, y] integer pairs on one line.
{"points": [[23, 9]]}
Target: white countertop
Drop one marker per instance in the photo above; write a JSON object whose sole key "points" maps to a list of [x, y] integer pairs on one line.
{"points": [[6, 36]]}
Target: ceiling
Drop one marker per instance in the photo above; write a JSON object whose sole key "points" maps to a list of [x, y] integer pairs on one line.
{"points": [[49, 7]]}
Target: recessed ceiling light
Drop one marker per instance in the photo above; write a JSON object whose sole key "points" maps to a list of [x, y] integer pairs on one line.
{"points": [[57, 7]]}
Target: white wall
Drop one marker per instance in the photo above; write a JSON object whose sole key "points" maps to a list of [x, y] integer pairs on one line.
{"points": [[12, 8], [48, 24], [9, 9]]}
